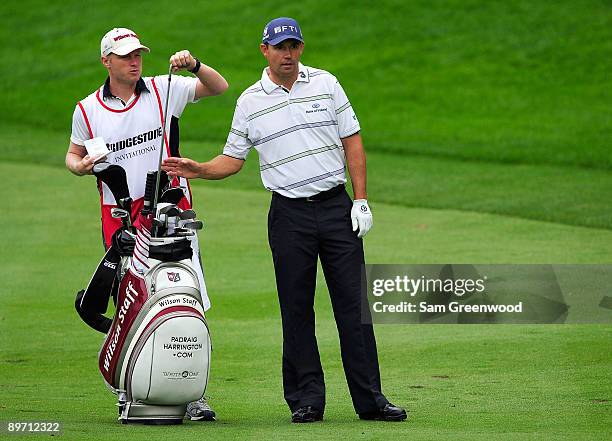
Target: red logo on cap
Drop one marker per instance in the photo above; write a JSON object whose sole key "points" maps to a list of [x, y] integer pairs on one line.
{"points": [[121, 37]]}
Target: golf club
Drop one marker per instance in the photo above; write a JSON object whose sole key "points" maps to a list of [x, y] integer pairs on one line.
{"points": [[161, 148], [193, 225], [114, 177], [187, 214], [172, 195], [170, 210]]}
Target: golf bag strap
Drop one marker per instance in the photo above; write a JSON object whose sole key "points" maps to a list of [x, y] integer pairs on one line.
{"points": [[102, 283], [93, 319]]}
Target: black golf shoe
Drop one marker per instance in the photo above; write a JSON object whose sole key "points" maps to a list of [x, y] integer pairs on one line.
{"points": [[306, 414], [388, 413]]}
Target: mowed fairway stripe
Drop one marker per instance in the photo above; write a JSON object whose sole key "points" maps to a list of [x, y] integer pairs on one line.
{"points": [[468, 382]]}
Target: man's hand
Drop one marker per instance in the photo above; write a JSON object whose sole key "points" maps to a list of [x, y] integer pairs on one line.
{"points": [[361, 217], [219, 167], [210, 82], [184, 167], [182, 60], [78, 161], [82, 166]]}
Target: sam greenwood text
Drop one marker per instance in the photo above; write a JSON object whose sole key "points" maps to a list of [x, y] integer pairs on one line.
{"points": [[451, 307]]}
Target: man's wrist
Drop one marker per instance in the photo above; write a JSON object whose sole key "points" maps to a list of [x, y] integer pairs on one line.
{"points": [[78, 171], [74, 165], [202, 170], [197, 66], [82, 171]]}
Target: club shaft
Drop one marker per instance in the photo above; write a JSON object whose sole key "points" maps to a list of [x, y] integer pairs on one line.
{"points": [[161, 149]]}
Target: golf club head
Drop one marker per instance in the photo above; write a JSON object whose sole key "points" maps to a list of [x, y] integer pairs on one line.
{"points": [[169, 210], [187, 214], [183, 232], [193, 225], [114, 177], [172, 195], [119, 213]]}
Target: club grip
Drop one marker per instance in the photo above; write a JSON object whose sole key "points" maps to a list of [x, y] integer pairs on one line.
{"points": [[149, 192]]}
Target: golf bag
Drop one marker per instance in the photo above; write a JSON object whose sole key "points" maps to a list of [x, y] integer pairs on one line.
{"points": [[156, 354]]}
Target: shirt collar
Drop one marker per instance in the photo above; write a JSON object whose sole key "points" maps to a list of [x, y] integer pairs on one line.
{"points": [[106, 92], [269, 85]]}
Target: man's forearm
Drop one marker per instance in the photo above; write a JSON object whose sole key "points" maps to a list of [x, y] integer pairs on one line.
{"points": [[211, 82], [356, 162], [220, 167]]}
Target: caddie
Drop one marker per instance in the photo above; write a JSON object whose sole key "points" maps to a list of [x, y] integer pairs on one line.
{"points": [[127, 112]]}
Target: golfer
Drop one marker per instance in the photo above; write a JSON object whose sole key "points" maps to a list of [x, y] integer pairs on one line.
{"points": [[302, 124], [126, 112]]}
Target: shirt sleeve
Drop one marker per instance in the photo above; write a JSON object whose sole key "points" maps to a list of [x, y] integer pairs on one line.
{"points": [[238, 143], [348, 124], [80, 132], [182, 91]]}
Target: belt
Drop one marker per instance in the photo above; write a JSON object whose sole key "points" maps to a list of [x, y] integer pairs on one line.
{"points": [[323, 196]]}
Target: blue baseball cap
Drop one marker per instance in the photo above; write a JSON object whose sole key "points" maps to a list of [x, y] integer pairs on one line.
{"points": [[281, 29]]}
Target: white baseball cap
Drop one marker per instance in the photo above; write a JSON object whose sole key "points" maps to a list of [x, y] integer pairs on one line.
{"points": [[120, 41]]}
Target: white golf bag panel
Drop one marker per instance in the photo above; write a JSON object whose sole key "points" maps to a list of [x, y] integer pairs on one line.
{"points": [[162, 376], [169, 350], [158, 349]]}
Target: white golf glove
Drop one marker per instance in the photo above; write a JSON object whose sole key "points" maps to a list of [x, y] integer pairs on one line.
{"points": [[361, 217]]}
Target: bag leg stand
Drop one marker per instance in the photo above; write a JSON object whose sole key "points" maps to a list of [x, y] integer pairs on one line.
{"points": [[140, 413], [134, 412]]}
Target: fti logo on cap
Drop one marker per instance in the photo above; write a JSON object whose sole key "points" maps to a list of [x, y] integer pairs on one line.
{"points": [[281, 29]]}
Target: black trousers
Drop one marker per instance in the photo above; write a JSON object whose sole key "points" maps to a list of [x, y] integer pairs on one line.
{"points": [[299, 232]]}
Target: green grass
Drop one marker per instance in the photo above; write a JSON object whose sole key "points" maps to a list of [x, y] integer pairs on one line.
{"points": [[552, 193], [511, 82], [460, 382], [487, 127], [497, 107]]}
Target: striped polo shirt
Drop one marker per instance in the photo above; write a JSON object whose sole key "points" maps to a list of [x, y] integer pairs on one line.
{"points": [[297, 133]]}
